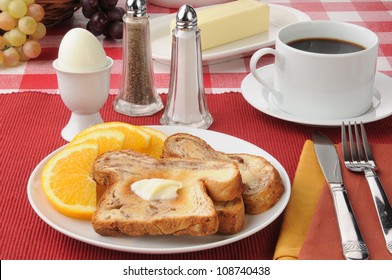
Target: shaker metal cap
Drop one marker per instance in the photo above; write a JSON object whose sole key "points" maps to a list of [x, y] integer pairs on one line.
{"points": [[186, 17], [137, 8]]}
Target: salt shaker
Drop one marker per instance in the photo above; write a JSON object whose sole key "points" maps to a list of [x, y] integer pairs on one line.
{"points": [[186, 103], [137, 95]]}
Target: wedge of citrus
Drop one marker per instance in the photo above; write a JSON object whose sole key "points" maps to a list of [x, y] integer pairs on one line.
{"points": [[135, 138], [107, 140], [157, 140], [67, 180]]}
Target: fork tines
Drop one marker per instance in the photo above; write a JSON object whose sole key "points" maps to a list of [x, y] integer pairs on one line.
{"points": [[360, 159], [357, 150]]}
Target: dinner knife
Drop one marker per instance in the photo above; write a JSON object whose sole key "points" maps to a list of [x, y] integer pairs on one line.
{"points": [[354, 248]]}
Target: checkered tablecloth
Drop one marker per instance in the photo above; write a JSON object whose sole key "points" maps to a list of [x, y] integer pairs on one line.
{"points": [[39, 75]]}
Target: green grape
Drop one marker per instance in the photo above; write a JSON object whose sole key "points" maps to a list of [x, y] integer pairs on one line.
{"points": [[4, 5], [3, 42], [5, 36], [7, 22], [22, 55], [29, 2], [20, 30], [15, 37], [40, 32], [17, 8], [27, 25], [36, 11], [1, 57], [32, 48], [11, 57]]}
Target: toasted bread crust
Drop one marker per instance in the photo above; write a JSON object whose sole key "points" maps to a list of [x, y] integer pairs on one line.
{"points": [[263, 184], [119, 210], [231, 215]]}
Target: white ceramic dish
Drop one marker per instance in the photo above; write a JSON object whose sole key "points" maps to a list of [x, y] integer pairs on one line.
{"points": [[260, 98], [178, 3], [279, 17], [83, 231]]}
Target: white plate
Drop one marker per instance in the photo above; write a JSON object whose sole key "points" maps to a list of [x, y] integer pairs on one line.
{"points": [[260, 98], [83, 231], [279, 17]]}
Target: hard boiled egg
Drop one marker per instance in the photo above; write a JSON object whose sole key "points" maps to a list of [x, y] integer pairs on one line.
{"points": [[80, 51]]}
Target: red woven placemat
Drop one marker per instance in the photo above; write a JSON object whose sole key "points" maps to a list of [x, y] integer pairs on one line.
{"points": [[31, 124]]}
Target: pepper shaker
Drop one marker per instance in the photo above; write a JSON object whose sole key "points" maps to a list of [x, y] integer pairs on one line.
{"points": [[186, 103], [137, 95]]}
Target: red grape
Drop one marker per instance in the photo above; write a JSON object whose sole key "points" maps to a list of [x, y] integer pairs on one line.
{"points": [[116, 30], [88, 12], [89, 4], [115, 14], [105, 17], [98, 21], [107, 4], [91, 28], [106, 31]]}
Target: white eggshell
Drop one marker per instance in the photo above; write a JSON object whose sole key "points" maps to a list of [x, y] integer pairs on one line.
{"points": [[80, 51]]}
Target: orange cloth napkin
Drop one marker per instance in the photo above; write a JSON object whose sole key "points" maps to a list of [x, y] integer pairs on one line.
{"points": [[309, 228], [323, 241], [307, 185]]}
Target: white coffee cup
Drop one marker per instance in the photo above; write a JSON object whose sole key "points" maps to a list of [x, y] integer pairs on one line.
{"points": [[320, 85]]}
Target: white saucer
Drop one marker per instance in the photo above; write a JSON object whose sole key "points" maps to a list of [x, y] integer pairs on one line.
{"points": [[260, 98]]}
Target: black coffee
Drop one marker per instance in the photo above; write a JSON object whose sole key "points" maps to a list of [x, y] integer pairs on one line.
{"points": [[325, 45]]}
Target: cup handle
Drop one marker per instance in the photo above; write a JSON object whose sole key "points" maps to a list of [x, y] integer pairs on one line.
{"points": [[253, 62]]}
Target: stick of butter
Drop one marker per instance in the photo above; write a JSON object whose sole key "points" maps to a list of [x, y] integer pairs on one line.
{"points": [[229, 22]]}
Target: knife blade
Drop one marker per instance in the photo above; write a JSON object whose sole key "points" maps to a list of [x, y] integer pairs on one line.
{"points": [[353, 245]]}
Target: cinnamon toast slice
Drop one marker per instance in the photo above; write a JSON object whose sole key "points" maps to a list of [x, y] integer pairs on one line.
{"points": [[231, 215], [263, 184], [192, 212]]}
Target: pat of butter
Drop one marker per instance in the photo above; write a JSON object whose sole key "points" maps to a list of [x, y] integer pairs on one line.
{"points": [[229, 22], [156, 188]]}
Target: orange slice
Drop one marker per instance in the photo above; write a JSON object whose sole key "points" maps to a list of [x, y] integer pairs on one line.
{"points": [[67, 180], [107, 140], [135, 138], [157, 140]]}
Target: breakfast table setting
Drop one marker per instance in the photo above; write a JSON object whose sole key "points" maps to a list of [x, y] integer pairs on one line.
{"points": [[304, 224]]}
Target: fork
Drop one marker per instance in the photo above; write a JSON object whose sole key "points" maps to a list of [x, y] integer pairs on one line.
{"points": [[358, 157]]}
